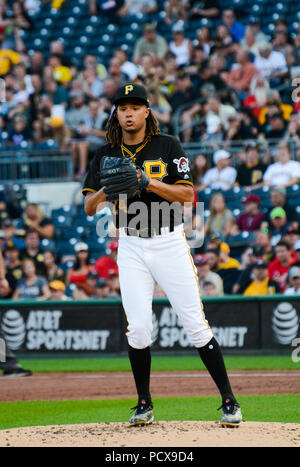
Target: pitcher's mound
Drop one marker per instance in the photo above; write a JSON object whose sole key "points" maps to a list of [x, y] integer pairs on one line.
{"points": [[159, 434]]}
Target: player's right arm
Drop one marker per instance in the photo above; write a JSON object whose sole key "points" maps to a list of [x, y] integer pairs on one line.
{"points": [[93, 202]]}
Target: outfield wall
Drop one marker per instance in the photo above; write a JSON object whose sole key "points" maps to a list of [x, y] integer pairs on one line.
{"points": [[239, 323]]}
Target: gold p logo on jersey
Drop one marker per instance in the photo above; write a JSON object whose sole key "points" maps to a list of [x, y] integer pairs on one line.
{"points": [[155, 169], [128, 89]]}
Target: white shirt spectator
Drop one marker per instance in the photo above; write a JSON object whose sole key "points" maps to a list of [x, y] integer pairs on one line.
{"points": [[279, 174], [291, 291], [130, 69], [274, 63], [220, 179]]}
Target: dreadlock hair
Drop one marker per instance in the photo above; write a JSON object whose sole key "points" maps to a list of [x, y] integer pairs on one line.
{"points": [[114, 130]]}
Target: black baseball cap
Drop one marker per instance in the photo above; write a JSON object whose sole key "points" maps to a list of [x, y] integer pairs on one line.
{"points": [[260, 265], [131, 91]]}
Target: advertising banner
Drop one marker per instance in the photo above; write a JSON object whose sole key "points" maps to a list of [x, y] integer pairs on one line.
{"points": [[100, 327]]}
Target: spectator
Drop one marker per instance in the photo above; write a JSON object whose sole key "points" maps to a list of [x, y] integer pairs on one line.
{"points": [[249, 43], [250, 173], [236, 29], [160, 107], [261, 284], [57, 48], [77, 274], [277, 127], [10, 234], [90, 61], [150, 42], [279, 267], [291, 236], [102, 289], [91, 281], [33, 251], [31, 286], [35, 220], [92, 132], [223, 41], [281, 44], [13, 266], [259, 93], [57, 290], [278, 198], [283, 173], [175, 10], [20, 132], [180, 46], [206, 275], [57, 93], [212, 255], [222, 176], [221, 219], [115, 71], [132, 7], [92, 84], [278, 225], [127, 67], [228, 268], [185, 93], [75, 118], [199, 168], [238, 130], [223, 111], [293, 128], [255, 24], [226, 261], [53, 271], [209, 289], [114, 285], [106, 265], [37, 63], [241, 75], [293, 281], [271, 64], [205, 41], [204, 9], [263, 241], [258, 254], [250, 219]]}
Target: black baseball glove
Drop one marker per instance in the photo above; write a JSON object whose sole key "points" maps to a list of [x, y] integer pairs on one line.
{"points": [[118, 176]]}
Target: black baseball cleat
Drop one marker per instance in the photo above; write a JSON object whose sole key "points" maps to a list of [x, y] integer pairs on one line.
{"points": [[16, 372], [143, 414], [232, 415]]}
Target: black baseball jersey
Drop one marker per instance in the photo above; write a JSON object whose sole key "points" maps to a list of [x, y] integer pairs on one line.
{"points": [[161, 157]]}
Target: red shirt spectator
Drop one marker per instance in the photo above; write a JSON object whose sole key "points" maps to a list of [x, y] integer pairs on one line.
{"points": [[279, 267], [251, 219], [107, 265]]}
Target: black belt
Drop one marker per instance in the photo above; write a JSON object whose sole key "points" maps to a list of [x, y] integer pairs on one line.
{"points": [[147, 232]]}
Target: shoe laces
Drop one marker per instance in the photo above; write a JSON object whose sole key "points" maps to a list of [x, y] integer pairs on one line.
{"points": [[141, 406], [229, 406]]}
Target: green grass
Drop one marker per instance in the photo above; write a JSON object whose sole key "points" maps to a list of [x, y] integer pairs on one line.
{"points": [[268, 408], [159, 363]]}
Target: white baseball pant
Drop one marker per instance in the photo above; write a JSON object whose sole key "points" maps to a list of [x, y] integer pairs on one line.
{"points": [[164, 259]]}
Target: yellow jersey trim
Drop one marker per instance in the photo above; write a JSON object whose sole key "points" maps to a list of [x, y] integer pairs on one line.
{"points": [[185, 182]]}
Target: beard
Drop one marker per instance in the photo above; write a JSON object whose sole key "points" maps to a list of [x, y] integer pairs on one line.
{"points": [[261, 96]]}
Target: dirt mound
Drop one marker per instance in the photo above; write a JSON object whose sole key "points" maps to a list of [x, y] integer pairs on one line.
{"points": [[159, 434]]}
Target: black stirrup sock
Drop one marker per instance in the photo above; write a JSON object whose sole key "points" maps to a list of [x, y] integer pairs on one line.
{"points": [[140, 360], [212, 358]]}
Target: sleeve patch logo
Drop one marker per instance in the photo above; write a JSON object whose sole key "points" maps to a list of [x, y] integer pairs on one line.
{"points": [[182, 164]]}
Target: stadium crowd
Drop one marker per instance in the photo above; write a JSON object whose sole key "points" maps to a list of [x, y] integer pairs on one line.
{"points": [[229, 85]]}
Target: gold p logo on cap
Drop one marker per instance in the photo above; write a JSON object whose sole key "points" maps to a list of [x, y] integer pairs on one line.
{"points": [[128, 89]]}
